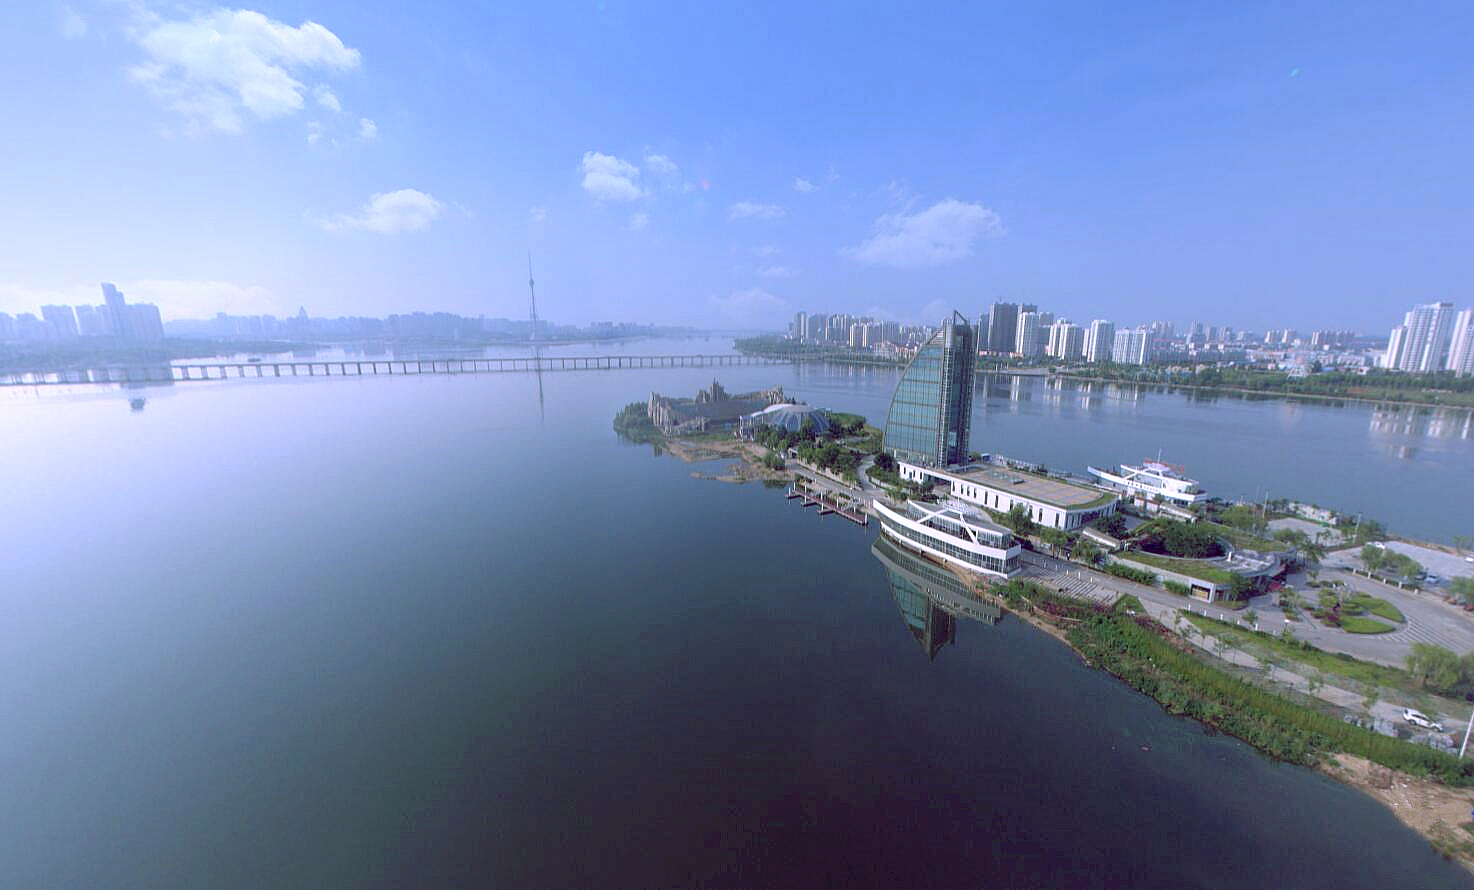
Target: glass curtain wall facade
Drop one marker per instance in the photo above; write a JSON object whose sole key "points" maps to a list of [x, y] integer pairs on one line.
{"points": [[931, 411]]}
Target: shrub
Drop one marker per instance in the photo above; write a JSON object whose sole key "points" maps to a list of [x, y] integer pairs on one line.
{"points": [[1176, 587], [1130, 573], [1358, 625], [1138, 651]]}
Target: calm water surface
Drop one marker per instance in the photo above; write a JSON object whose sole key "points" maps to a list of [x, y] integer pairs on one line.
{"points": [[415, 632]]}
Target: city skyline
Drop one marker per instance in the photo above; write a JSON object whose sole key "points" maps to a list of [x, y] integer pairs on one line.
{"points": [[717, 170]]}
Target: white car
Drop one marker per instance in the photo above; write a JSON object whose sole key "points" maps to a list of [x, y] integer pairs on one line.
{"points": [[1417, 718]]}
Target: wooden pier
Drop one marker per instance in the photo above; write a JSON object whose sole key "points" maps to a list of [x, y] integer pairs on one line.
{"points": [[828, 501], [181, 372]]}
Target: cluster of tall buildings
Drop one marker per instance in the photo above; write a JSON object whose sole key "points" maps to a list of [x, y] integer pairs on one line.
{"points": [[115, 318], [1432, 337], [1025, 330], [839, 329]]}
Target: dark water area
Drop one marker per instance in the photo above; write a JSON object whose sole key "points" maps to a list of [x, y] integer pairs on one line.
{"points": [[421, 632]]}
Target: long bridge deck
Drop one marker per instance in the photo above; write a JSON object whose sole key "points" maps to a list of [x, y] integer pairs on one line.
{"points": [[180, 372]]}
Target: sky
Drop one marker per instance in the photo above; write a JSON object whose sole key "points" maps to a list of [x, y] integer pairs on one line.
{"points": [[1259, 165]]}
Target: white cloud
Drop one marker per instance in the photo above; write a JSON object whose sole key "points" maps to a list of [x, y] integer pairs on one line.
{"points": [[942, 233], [775, 271], [608, 178], [405, 210], [538, 214], [367, 129], [73, 26], [638, 221], [314, 132], [749, 210], [660, 165], [325, 98], [220, 63], [803, 186], [751, 306]]}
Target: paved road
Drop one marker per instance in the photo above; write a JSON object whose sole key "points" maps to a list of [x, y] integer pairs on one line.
{"points": [[1428, 618]]}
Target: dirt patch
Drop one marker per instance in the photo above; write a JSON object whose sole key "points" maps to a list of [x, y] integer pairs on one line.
{"points": [[749, 455], [1435, 811]]}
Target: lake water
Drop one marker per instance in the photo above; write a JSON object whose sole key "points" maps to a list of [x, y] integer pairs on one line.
{"points": [[422, 632]]}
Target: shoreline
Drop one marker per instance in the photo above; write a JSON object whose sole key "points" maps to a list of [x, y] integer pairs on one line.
{"points": [[1430, 808], [1269, 393], [1433, 810]]}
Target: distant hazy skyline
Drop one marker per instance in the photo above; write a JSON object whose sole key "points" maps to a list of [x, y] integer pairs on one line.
{"points": [[1265, 165]]}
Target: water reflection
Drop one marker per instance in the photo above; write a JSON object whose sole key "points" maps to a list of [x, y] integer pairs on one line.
{"points": [[1422, 422], [929, 597]]}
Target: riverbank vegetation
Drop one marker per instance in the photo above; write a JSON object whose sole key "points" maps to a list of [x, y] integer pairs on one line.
{"points": [[1150, 658], [633, 423], [1438, 389]]}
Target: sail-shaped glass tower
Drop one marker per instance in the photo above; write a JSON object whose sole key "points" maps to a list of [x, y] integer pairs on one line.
{"points": [[931, 411]]}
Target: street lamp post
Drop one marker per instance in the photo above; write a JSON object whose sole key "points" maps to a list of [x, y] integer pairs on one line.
{"points": [[1466, 735]]}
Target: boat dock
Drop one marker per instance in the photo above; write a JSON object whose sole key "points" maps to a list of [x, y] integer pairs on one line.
{"points": [[830, 498]]}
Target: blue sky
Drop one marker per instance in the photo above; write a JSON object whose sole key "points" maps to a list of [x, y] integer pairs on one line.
{"points": [[1261, 165]]}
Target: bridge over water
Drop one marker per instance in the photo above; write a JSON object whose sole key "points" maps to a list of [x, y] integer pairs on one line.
{"points": [[189, 371]]}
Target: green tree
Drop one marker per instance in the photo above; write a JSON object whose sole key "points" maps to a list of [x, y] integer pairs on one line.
{"points": [[1056, 539], [1372, 557], [1241, 516], [1462, 589], [1018, 520], [1433, 666], [1370, 530], [1252, 617], [1462, 542], [1113, 524], [1085, 551]]}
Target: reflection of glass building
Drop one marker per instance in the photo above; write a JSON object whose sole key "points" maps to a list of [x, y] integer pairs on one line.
{"points": [[932, 407], [930, 598]]}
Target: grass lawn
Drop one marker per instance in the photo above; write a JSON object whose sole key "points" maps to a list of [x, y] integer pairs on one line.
{"points": [[1359, 625], [1195, 568], [1376, 606], [1325, 662], [1245, 540]]}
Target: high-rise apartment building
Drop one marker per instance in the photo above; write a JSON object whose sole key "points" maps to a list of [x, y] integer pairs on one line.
{"points": [[1461, 345], [1029, 340], [1066, 341], [814, 332], [144, 323], [1132, 346], [1002, 327], [117, 311], [1099, 338], [1422, 340], [61, 320], [89, 322], [931, 411]]}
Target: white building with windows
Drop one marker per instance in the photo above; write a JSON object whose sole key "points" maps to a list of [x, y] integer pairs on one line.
{"points": [[1461, 346], [1132, 346], [1099, 338], [998, 485], [952, 532]]}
